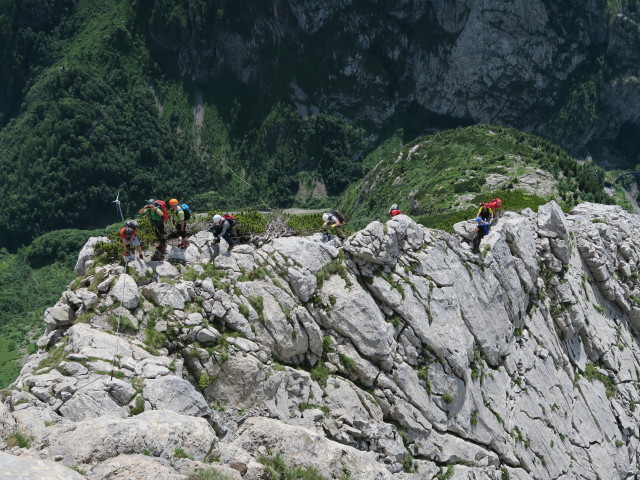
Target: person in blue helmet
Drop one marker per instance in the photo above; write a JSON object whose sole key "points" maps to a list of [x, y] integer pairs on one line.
{"points": [[482, 229]]}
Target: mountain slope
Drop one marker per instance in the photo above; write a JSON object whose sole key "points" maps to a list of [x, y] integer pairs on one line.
{"points": [[441, 178], [398, 355], [231, 104]]}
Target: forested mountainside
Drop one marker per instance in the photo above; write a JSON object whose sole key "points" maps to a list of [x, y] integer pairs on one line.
{"points": [[168, 98]]}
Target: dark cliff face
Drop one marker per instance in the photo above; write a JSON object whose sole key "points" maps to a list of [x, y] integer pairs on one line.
{"points": [[555, 68]]}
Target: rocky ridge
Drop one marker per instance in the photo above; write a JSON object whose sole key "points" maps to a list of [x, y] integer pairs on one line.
{"points": [[400, 354]]}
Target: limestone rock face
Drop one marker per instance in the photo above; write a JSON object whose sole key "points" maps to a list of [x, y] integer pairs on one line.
{"points": [[400, 354], [537, 48]]}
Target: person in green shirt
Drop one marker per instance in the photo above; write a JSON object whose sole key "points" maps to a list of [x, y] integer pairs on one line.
{"points": [[180, 219], [157, 221]]}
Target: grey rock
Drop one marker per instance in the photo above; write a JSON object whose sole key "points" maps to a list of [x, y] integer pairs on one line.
{"points": [[176, 394], [165, 295], [86, 254], [57, 316], [122, 392], [30, 468], [207, 336], [159, 432]]}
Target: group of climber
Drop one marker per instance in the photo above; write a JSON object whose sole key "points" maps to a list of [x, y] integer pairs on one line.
{"points": [[221, 225], [180, 214], [487, 214]]}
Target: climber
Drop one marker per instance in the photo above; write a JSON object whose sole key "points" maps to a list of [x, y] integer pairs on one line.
{"points": [[129, 236], [485, 212], [181, 215], [333, 220], [394, 210], [497, 207], [157, 216], [482, 229], [221, 227]]}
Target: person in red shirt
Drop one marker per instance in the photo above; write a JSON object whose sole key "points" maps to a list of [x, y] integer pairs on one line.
{"points": [[498, 207], [394, 210], [129, 236]]}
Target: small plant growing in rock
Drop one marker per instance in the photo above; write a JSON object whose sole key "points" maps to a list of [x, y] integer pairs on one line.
{"points": [[320, 374], [138, 408], [348, 363], [207, 474], [181, 453], [619, 443], [19, 439], [445, 474], [258, 305], [447, 398], [204, 381], [474, 418], [407, 463], [326, 344], [279, 470], [244, 310]]}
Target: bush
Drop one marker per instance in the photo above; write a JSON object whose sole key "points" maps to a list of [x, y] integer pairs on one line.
{"points": [[61, 246]]}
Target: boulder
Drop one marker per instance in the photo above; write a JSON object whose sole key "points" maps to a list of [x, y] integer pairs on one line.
{"points": [[86, 254], [157, 432], [165, 295], [125, 291], [301, 447], [30, 468], [176, 394]]}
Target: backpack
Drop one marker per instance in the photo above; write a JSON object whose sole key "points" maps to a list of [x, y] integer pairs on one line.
{"points": [[163, 206], [231, 219], [338, 215], [187, 211], [485, 228], [395, 212]]}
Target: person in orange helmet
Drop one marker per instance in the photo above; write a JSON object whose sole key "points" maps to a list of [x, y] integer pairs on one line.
{"points": [[181, 214]]}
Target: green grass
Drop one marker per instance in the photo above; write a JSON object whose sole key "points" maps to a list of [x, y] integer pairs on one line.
{"points": [[207, 474], [458, 162], [19, 439], [591, 373], [279, 470], [181, 453]]}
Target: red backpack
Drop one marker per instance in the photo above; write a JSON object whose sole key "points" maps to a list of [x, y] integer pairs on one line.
{"points": [[163, 206], [231, 219]]}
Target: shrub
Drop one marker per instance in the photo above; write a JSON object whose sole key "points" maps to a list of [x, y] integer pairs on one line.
{"points": [[19, 439], [181, 453]]}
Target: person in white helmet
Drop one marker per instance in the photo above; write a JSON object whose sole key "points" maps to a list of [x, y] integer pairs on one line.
{"points": [[333, 220], [221, 227]]}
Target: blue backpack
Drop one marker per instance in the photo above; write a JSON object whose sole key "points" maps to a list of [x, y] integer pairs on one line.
{"points": [[187, 211]]}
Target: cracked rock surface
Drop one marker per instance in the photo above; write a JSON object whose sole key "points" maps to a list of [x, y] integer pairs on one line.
{"points": [[398, 355]]}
